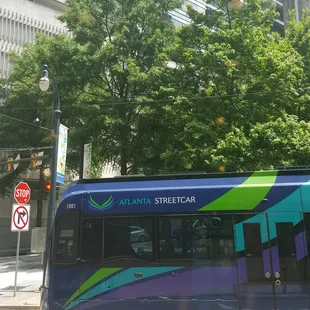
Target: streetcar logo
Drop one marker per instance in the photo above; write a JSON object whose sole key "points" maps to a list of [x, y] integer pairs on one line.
{"points": [[97, 206]]}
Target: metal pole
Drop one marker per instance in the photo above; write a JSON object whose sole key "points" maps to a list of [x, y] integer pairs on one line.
{"points": [[17, 259], [297, 10], [52, 198], [81, 172], [23, 160]]}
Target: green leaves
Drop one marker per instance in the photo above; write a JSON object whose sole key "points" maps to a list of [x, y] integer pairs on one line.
{"points": [[108, 72], [236, 70], [153, 98], [279, 142]]}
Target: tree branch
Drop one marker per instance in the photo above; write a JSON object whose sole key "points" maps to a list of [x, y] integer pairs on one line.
{"points": [[89, 93], [106, 80], [107, 28], [136, 115]]}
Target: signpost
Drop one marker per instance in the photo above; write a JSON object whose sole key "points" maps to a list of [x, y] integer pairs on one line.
{"points": [[87, 160], [20, 217]]}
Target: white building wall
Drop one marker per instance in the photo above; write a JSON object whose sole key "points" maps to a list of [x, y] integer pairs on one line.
{"points": [[21, 20], [110, 171]]}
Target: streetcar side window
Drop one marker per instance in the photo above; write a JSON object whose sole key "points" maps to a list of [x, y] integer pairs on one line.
{"points": [[66, 238], [184, 237], [207, 238], [91, 240], [128, 238]]}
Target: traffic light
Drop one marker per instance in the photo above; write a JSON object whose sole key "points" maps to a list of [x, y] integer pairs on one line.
{"points": [[10, 166], [35, 163], [47, 186]]}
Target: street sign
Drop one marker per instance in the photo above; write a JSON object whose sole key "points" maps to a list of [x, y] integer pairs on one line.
{"points": [[16, 165], [62, 154], [20, 217], [87, 160], [22, 193], [19, 222]]}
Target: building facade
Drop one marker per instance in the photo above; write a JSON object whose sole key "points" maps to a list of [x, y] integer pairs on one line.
{"points": [[179, 16], [21, 20]]}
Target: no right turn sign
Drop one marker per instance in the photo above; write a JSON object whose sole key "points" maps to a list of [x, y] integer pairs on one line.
{"points": [[20, 217]]}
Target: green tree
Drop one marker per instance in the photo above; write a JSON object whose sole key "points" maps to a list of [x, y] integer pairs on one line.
{"points": [[25, 101], [231, 72], [108, 72], [278, 142], [298, 35], [124, 53]]}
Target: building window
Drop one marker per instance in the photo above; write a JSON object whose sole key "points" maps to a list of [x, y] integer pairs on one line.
{"points": [[278, 28], [279, 9]]}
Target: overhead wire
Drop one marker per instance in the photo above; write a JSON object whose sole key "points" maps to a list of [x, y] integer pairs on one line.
{"points": [[113, 103], [24, 122], [30, 148]]}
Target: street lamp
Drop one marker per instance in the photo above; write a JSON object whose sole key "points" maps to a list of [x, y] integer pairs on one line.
{"points": [[44, 84]]}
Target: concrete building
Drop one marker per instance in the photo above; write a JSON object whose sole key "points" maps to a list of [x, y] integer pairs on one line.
{"points": [[298, 5], [179, 16], [21, 20]]}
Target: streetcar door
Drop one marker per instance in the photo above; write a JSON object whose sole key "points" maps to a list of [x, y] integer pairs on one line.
{"points": [[272, 261], [288, 249]]}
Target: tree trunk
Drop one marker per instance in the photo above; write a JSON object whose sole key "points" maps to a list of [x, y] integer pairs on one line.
{"points": [[124, 142], [124, 157], [123, 166]]}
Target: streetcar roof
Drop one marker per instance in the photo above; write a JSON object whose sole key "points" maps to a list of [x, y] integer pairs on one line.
{"points": [[187, 192]]}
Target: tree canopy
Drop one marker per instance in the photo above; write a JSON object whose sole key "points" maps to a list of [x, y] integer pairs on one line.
{"points": [[229, 77], [224, 90]]}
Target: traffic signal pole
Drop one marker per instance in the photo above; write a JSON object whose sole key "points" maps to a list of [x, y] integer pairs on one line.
{"points": [[44, 85]]}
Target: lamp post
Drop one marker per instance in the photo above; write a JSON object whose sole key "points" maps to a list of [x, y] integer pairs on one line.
{"points": [[44, 84]]}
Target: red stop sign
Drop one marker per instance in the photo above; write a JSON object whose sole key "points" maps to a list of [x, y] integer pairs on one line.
{"points": [[22, 193]]}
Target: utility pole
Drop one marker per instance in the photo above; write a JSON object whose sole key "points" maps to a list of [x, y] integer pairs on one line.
{"points": [[81, 160], [44, 86]]}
